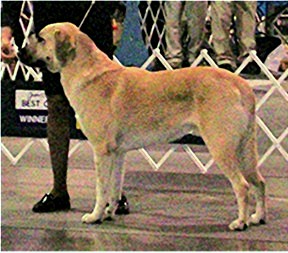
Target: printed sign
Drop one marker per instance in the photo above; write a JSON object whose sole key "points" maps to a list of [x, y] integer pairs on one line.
{"points": [[39, 119], [24, 110], [30, 100]]}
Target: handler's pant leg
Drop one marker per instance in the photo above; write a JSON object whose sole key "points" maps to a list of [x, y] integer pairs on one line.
{"points": [[58, 139]]}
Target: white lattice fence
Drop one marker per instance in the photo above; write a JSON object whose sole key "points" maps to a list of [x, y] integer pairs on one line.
{"points": [[274, 85], [153, 33]]}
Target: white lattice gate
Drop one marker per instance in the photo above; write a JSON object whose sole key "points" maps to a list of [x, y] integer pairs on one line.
{"points": [[271, 83]]}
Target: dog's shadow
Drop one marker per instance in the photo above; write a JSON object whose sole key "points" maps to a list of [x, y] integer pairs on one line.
{"points": [[183, 228], [181, 225]]}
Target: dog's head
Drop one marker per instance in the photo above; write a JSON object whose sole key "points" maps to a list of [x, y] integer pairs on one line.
{"points": [[55, 46]]}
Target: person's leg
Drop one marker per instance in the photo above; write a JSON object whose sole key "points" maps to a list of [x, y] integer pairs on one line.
{"points": [[58, 138], [221, 15], [246, 24], [195, 12], [174, 54], [58, 133]]}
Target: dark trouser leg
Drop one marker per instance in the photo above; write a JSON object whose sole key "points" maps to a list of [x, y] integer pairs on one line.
{"points": [[58, 139]]}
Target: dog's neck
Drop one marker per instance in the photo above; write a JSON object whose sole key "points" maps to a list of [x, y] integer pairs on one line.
{"points": [[90, 63]]}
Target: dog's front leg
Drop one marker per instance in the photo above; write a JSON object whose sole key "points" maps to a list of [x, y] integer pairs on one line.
{"points": [[117, 181], [104, 168]]}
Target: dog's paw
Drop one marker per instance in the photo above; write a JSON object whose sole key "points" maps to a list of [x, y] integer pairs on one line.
{"points": [[90, 218], [238, 225], [257, 219]]}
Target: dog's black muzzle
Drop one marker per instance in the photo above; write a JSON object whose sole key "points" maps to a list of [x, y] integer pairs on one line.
{"points": [[28, 60], [25, 56]]}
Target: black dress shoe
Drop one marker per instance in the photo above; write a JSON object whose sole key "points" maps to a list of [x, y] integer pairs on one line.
{"points": [[123, 206], [49, 203]]}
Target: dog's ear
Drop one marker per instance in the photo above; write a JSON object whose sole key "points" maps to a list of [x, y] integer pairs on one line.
{"points": [[65, 47]]}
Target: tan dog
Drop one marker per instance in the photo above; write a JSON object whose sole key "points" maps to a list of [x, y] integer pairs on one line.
{"points": [[121, 109]]}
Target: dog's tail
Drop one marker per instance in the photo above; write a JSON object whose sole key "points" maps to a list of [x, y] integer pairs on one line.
{"points": [[247, 148]]}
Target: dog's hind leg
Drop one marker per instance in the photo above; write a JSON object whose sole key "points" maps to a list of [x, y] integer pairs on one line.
{"points": [[104, 168], [259, 217], [248, 155], [222, 140]]}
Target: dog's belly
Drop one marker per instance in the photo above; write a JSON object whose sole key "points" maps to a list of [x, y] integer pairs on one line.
{"points": [[136, 140]]}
